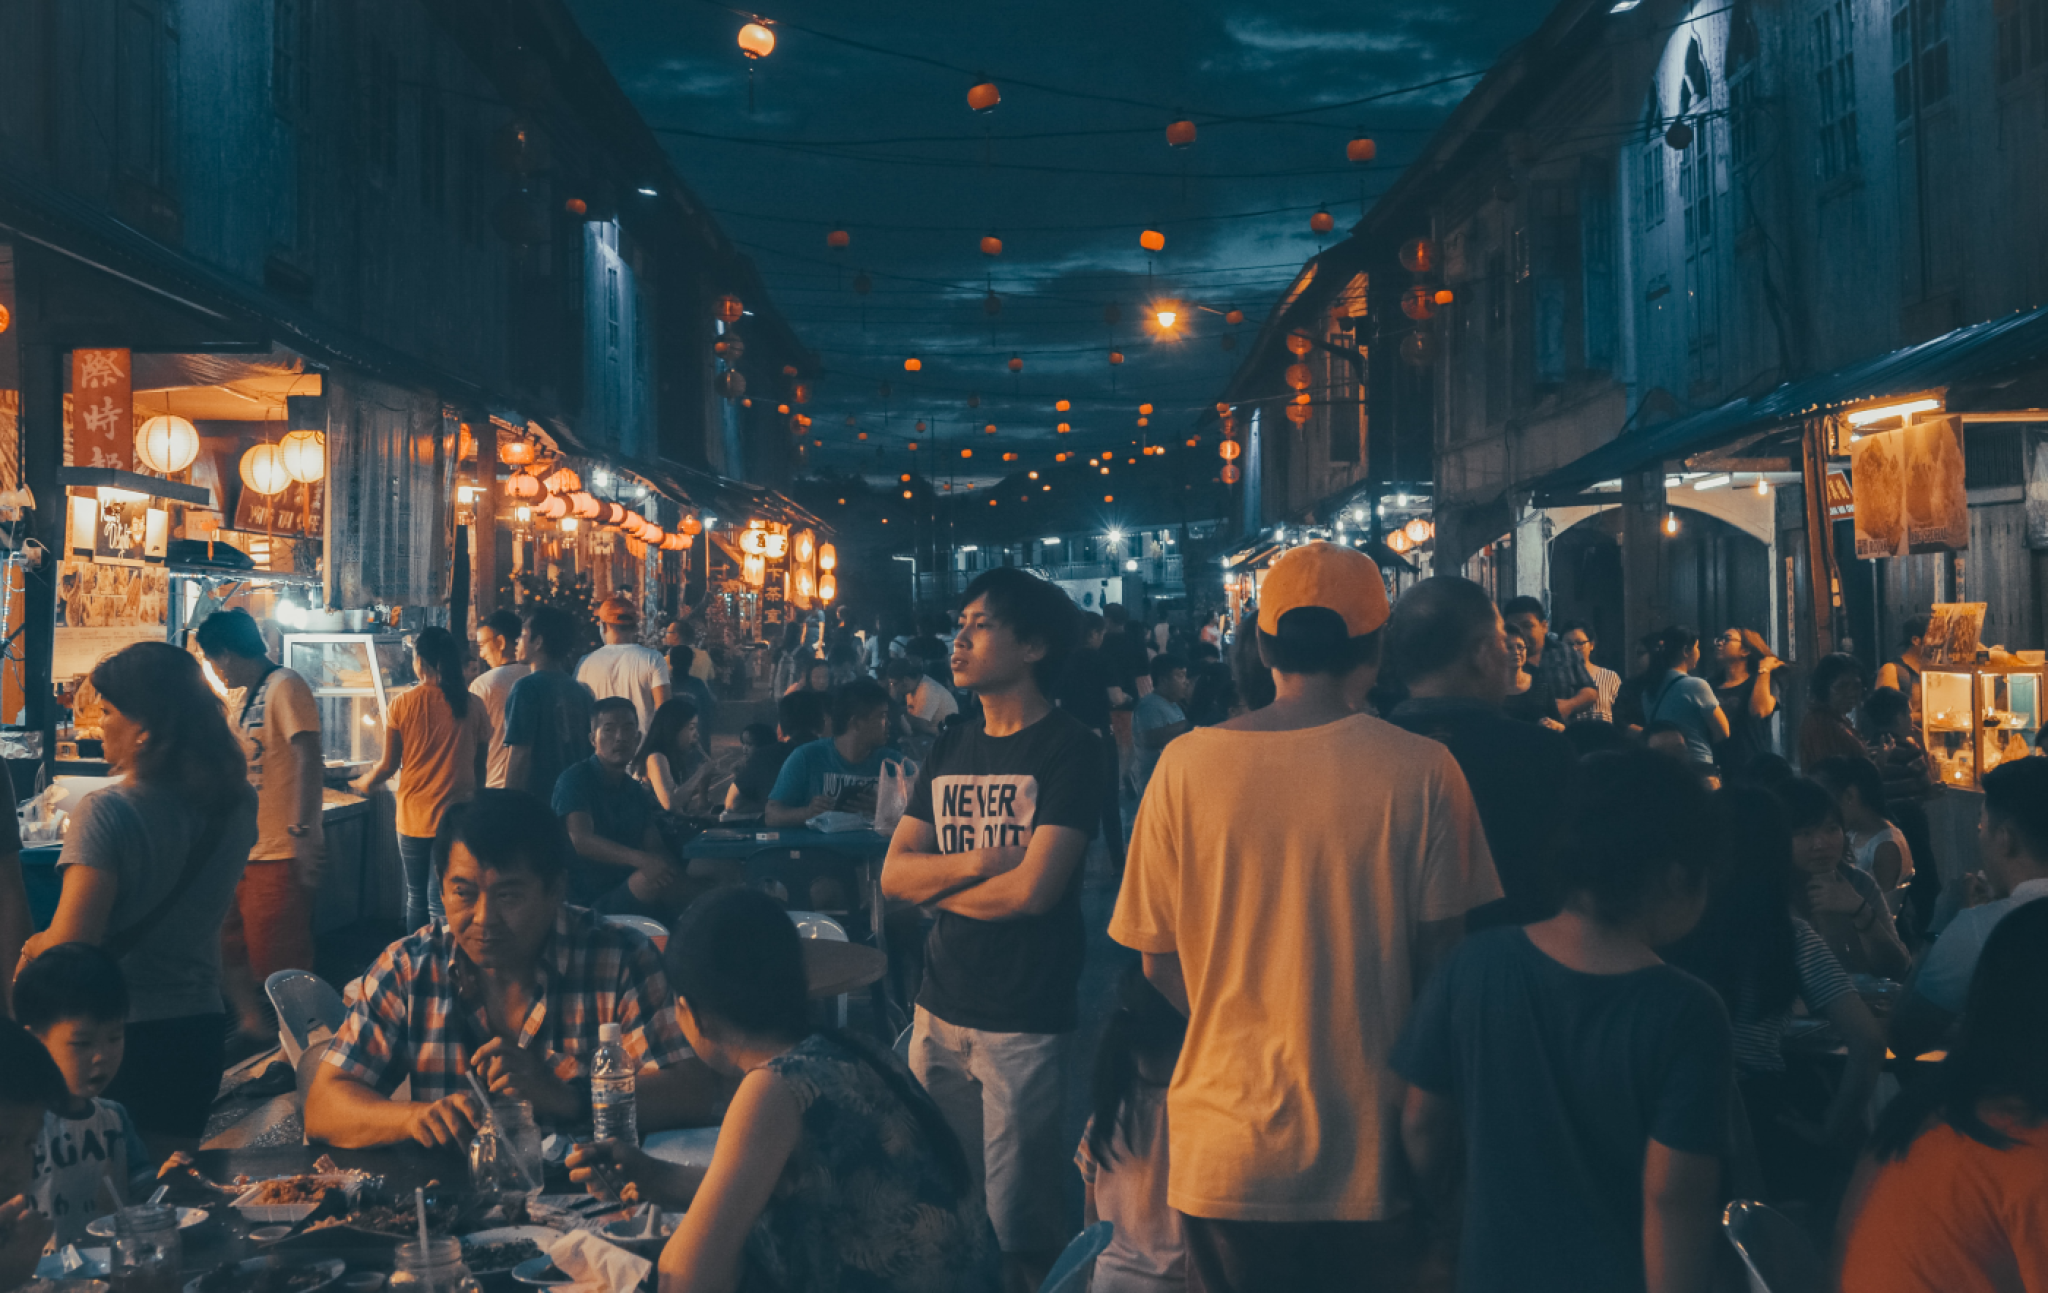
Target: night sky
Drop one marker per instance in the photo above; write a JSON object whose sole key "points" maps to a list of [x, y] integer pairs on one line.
{"points": [[1067, 175]]}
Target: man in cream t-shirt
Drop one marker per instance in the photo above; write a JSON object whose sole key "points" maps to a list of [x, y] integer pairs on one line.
{"points": [[1295, 931], [622, 667], [497, 641]]}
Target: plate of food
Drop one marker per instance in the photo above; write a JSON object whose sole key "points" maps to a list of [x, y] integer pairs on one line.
{"points": [[269, 1275], [103, 1227], [291, 1199], [499, 1251]]}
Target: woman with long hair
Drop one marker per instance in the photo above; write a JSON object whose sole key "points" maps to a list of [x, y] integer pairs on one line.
{"points": [[1123, 1148], [834, 1170], [1955, 1193], [670, 760], [437, 741], [1674, 696], [1844, 905], [1761, 958], [149, 868], [1747, 694]]}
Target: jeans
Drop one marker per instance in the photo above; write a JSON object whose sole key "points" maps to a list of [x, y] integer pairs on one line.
{"points": [[422, 891], [1002, 1093]]}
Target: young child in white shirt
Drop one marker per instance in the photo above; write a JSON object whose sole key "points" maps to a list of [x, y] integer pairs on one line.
{"points": [[73, 999], [1122, 1155]]}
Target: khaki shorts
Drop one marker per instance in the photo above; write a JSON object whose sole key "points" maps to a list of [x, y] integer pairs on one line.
{"points": [[1002, 1094]]}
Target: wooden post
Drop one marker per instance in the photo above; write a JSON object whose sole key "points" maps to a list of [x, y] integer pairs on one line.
{"points": [[1645, 594], [483, 571], [1824, 582]]}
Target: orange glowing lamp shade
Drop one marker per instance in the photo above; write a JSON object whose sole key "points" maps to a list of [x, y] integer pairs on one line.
{"points": [[1361, 150], [1444, 296], [752, 542], [1180, 134], [263, 470], [1016, 363], [806, 547], [984, 97], [554, 507], [1064, 427], [1399, 541], [1145, 409], [523, 488], [913, 446], [691, 526], [1299, 376], [803, 584], [801, 392], [1059, 457], [1297, 413], [784, 410], [1418, 255], [611, 514], [1230, 473], [1234, 317], [1229, 450], [167, 443], [828, 557], [1299, 343], [1152, 240], [1419, 530], [989, 429], [908, 494], [576, 207], [828, 588], [775, 545], [1418, 303], [838, 239], [912, 364], [1109, 498], [517, 452], [967, 453], [583, 506], [754, 569], [1322, 222], [756, 41], [991, 245], [1144, 422], [731, 309], [1061, 406], [675, 542], [1009, 457], [1116, 357], [1302, 397]]}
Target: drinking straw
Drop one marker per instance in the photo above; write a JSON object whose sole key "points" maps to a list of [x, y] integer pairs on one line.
{"points": [[419, 1199]]}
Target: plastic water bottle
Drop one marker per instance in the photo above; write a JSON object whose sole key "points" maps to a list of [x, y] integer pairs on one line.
{"points": [[612, 1113]]}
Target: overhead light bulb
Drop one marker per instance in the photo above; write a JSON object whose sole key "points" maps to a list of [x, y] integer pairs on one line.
{"points": [[1167, 318]]}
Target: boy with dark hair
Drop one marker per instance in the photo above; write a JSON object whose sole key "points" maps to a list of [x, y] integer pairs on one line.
{"points": [[622, 866], [1560, 673], [31, 1085], [74, 1000], [839, 774], [1159, 716], [994, 837], [1294, 874], [497, 640]]}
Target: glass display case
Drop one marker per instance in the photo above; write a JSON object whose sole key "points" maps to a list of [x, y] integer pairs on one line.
{"points": [[354, 677], [1974, 719]]}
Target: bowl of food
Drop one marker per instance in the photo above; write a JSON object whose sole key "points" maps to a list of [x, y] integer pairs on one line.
{"points": [[499, 1251], [291, 1199]]}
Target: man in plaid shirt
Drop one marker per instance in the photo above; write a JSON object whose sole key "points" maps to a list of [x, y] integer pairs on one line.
{"points": [[511, 988], [1560, 673]]}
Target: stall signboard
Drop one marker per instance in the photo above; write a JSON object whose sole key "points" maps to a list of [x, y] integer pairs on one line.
{"points": [[122, 535], [1937, 501], [1953, 630], [102, 410], [298, 509], [1841, 499], [2034, 444], [1878, 463]]}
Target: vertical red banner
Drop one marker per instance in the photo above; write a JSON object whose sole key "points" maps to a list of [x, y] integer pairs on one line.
{"points": [[102, 410]]}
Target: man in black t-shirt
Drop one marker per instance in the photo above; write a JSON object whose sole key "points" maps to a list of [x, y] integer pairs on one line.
{"points": [[1447, 649], [994, 837]]}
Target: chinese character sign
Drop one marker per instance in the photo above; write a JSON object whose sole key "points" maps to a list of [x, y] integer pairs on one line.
{"points": [[102, 411]]}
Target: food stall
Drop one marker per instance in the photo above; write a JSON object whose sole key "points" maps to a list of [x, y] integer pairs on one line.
{"points": [[355, 677], [1980, 706]]}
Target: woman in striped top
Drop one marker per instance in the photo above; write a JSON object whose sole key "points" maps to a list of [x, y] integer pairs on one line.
{"points": [[1764, 960]]}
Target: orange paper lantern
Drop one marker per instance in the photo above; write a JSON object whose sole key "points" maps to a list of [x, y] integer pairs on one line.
{"points": [[1229, 449], [1016, 363], [1361, 150], [1322, 222], [756, 41], [1180, 134], [1152, 240], [838, 239], [991, 245], [912, 364], [984, 97], [516, 452]]}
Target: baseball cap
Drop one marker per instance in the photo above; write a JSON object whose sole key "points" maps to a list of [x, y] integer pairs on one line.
{"points": [[617, 610], [1326, 575]]}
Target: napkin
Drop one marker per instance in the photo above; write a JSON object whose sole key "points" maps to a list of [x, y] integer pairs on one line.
{"points": [[597, 1266]]}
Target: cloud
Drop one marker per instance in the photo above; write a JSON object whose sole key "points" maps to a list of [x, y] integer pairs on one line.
{"points": [[1270, 36]]}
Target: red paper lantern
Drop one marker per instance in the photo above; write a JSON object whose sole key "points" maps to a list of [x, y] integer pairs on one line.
{"points": [[1016, 363], [838, 239], [1322, 222], [1361, 150], [991, 245], [984, 97], [1152, 240], [1180, 134]]}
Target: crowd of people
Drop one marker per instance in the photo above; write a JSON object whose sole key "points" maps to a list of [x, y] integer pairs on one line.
{"points": [[1459, 959]]}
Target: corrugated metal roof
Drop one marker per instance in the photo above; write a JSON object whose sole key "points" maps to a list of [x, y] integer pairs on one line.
{"points": [[1968, 354]]}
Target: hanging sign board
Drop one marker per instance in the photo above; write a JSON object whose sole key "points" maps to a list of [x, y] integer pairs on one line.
{"points": [[298, 509], [1841, 500], [1878, 463], [102, 410], [1937, 501]]}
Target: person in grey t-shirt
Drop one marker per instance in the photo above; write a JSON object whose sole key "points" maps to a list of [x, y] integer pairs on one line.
{"points": [[149, 869]]}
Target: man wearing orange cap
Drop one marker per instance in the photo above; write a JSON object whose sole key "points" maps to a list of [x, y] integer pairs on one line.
{"points": [[1294, 874], [622, 667]]}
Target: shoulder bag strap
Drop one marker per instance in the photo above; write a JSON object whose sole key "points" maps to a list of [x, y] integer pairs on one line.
{"points": [[203, 848]]}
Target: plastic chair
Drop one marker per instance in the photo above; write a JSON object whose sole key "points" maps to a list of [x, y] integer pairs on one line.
{"points": [[654, 930], [1070, 1273], [1776, 1253], [814, 924], [306, 1007]]}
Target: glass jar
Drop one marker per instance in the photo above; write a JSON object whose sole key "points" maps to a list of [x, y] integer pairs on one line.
{"points": [[505, 1156], [437, 1268], [148, 1256]]}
